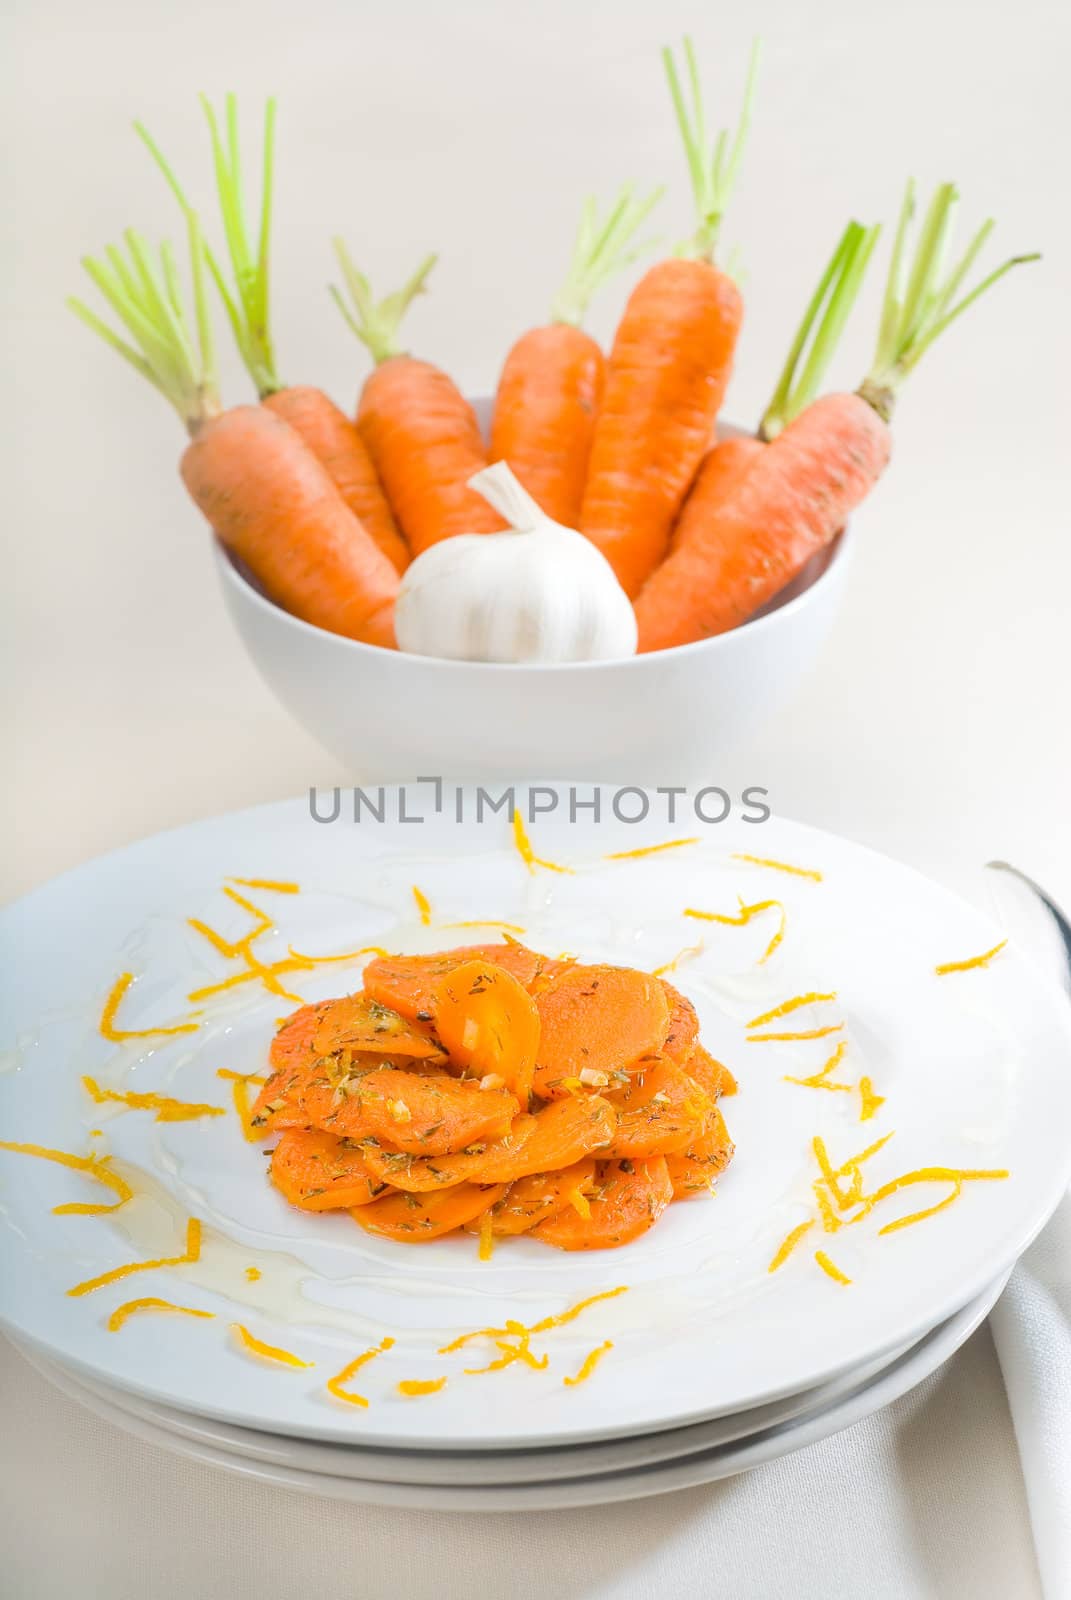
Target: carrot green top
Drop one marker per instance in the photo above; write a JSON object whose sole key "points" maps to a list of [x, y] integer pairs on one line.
{"points": [[714, 169], [920, 295], [602, 248], [246, 297], [147, 299], [377, 322]]}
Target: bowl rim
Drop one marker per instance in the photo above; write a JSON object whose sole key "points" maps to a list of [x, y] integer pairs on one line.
{"points": [[838, 550]]}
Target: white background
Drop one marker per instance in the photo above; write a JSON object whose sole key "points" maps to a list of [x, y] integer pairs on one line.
{"points": [[934, 727]]}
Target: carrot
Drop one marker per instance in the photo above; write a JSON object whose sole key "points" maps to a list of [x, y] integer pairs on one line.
{"points": [[629, 1198], [407, 983], [419, 429], [540, 1195], [661, 1110], [270, 502], [669, 365], [712, 1076], [735, 554], [551, 385], [596, 1022], [683, 1028], [693, 1170], [557, 1136], [319, 1172], [359, 1023], [327, 432], [412, 1220], [489, 1025]]}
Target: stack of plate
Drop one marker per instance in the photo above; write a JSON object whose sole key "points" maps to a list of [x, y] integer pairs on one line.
{"points": [[715, 1363]]}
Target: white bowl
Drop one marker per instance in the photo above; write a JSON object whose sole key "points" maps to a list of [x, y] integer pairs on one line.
{"points": [[667, 717]]}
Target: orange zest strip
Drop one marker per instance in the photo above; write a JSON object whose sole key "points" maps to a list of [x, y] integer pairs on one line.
{"points": [[240, 1095], [788, 1006], [819, 1083], [974, 961], [830, 1268], [267, 1352], [507, 927], [111, 1007], [273, 884], [93, 1166], [788, 1244], [167, 1110], [253, 1274], [744, 916], [411, 1387], [192, 1253], [487, 1241], [591, 1361], [121, 1313], [686, 954], [820, 1079], [649, 850], [423, 905], [256, 972], [543, 1326], [336, 1385], [804, 1033], [779, 866], [955, 1176], [347, 955], [870, 1100], [830, 1221], [527, 854]]}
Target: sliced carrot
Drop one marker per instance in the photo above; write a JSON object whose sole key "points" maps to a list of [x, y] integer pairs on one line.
{"points": [[628, 1199], [407, 983], [489, 1024], [596, 1020], [709, 1074], [661, 1110], [361, 1023], [693, 1170], [557, 1136], [413, 1218], [683, 1030], [540, 1195], [320, 1172]]}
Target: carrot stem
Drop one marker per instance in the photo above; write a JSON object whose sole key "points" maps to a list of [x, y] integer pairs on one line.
{"points": [[824, 318], [376, 323], [601, 250], [713, 175], [920, 303], [147, 299]]}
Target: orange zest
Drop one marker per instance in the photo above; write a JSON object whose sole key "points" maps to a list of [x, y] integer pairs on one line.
{"points": [[804, 1033], [649, 850], [788, 1244], [973, 961], [272, 884], [821, 1079], [423, 905], [787, 1007], [240, 1095], [779, 866], [93, 1167], [870, 1101], [830, 1268], [337, 1384], [743, 917], [192, 1253], [253, 1274], [486, 922], [525, 851], [107, 1026], [590, 1362], [130, 1307], [346, 955], [411, 1387], [686, 954], [267, 1352], [167, 1110]]}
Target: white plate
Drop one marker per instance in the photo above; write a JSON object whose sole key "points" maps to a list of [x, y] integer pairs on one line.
{"points": [[973, 1068], [560, 1492]]}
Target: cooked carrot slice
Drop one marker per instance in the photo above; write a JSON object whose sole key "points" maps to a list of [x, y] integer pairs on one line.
{"points": [[709, 1074], [292, 1045], [683, 1030], [414, 1218], [662, 1109], [358, 1022], [596, 1019], [693, 1170], [489, 1024], [557, 1136], [540, 1195], [628, 1198], [319, 1172], [406, 983]]}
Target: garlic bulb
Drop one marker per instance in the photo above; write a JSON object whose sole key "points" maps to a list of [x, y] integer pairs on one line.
{"points": [[537, 591]]}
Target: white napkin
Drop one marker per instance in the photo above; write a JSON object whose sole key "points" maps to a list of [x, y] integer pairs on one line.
{"points": [[1031, 1327]]}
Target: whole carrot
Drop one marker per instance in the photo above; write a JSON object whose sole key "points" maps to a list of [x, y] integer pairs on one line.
{"points": [[551, 385], [421, 432], [267, 497], [801, 488], [669, 365], [326, 430]]}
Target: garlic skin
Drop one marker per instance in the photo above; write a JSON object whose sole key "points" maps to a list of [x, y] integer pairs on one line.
{"points": [[537, 591]]}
